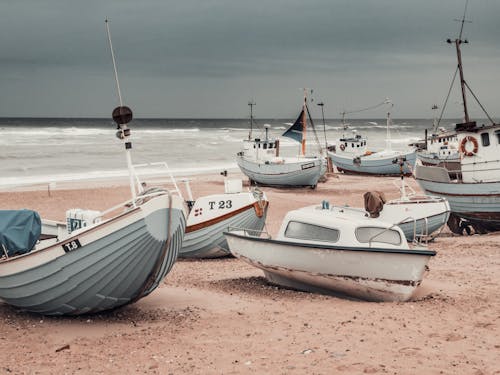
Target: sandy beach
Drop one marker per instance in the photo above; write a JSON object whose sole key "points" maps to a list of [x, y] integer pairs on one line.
{"points": [[221, 317]]}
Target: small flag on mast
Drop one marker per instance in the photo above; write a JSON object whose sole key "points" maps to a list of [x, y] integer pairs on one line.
{"points": [[296, 130]]}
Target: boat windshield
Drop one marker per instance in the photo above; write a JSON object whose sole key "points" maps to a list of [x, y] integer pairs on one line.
{"points": [[306, 231], [377, 234]]}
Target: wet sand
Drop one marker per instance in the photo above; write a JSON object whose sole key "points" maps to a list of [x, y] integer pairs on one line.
{"points": [[221, 317]]}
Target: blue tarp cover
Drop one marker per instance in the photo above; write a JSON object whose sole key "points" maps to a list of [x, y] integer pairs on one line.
{"points": [[19, 230]]}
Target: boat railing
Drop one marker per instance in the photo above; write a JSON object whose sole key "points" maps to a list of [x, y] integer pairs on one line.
{"points": [[418, 239], [250, 232], [133, 202]]}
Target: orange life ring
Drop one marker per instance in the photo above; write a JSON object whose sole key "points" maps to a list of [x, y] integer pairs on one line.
{"points": [[342, 147], [464, 142]]}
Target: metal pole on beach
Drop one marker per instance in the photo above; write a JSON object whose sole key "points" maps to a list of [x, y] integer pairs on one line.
{"points": [[122, 115]]}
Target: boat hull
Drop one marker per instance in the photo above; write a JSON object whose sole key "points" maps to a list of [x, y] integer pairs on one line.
{"points": [[301, 172], [118, 262], [475, 202], [421, 217], [373, 164], [208, 241], [363, 273]]}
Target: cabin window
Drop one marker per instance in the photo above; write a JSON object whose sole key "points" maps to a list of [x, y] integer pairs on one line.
{"points": [[311, 232], [265, 146], [485, 139], [375, 234], [497, 133]]}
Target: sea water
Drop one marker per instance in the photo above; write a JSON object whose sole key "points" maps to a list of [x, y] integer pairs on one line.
{"points": [[34, 151]]}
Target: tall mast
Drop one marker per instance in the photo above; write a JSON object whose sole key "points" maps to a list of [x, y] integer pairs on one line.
{"points": [[251, 103], [304, 123], [457, 43], [122, 115]]}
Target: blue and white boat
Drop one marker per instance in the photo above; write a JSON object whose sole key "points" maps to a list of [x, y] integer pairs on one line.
{"points": [[95, 261], [260, 160], [474, 191], [105, 264], [98, 260], [351, 156]]}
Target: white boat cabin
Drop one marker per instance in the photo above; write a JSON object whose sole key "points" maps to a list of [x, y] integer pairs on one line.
{"points": [[444, 144], [340, 226], [479, 147], [355, 144], [261, 150]]}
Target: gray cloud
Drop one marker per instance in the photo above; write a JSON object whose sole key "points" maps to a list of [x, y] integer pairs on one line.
{"points": [[206, 58]]}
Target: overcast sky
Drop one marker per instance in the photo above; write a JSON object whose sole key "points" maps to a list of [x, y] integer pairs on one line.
{"points": [[207, 58]]}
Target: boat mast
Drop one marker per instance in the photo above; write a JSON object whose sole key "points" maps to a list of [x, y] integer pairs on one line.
{"points": [[388, 122], [457, 43], [304, 123], [251, 103], [122, 115], [435, 120]]}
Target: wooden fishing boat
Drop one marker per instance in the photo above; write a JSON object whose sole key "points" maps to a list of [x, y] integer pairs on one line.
{"points": [[473, 189], [98, 260], [260, 160], [352, 157], [211, 215]]}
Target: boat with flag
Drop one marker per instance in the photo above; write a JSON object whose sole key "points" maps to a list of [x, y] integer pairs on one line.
{"points": [[260, 159]]}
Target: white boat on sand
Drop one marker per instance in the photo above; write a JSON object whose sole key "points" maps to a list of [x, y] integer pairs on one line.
{"points": [[352, 157], [98, 260], [335, 251], [421, 217], [473, 189], [260, 160], [211, 215]]}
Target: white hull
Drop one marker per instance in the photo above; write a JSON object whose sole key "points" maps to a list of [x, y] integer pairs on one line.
{"points": [[379, 163], [300, 171], [372, 274], [417, 216], [208, 241], [101, 267]]}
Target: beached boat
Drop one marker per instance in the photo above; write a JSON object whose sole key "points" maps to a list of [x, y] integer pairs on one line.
{"points": [[420, 217], [339, 251], [440, 148], [260, 160], [104, 264], [211, 215], [98, 260], [474, 191], [351, 156]]}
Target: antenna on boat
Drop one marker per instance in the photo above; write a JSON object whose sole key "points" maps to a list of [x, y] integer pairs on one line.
{"points": [[463, 84], [435, 119], [304, 121], [321, 104], [251, 103], [388, 123], [458, 41], [122, 115]]}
